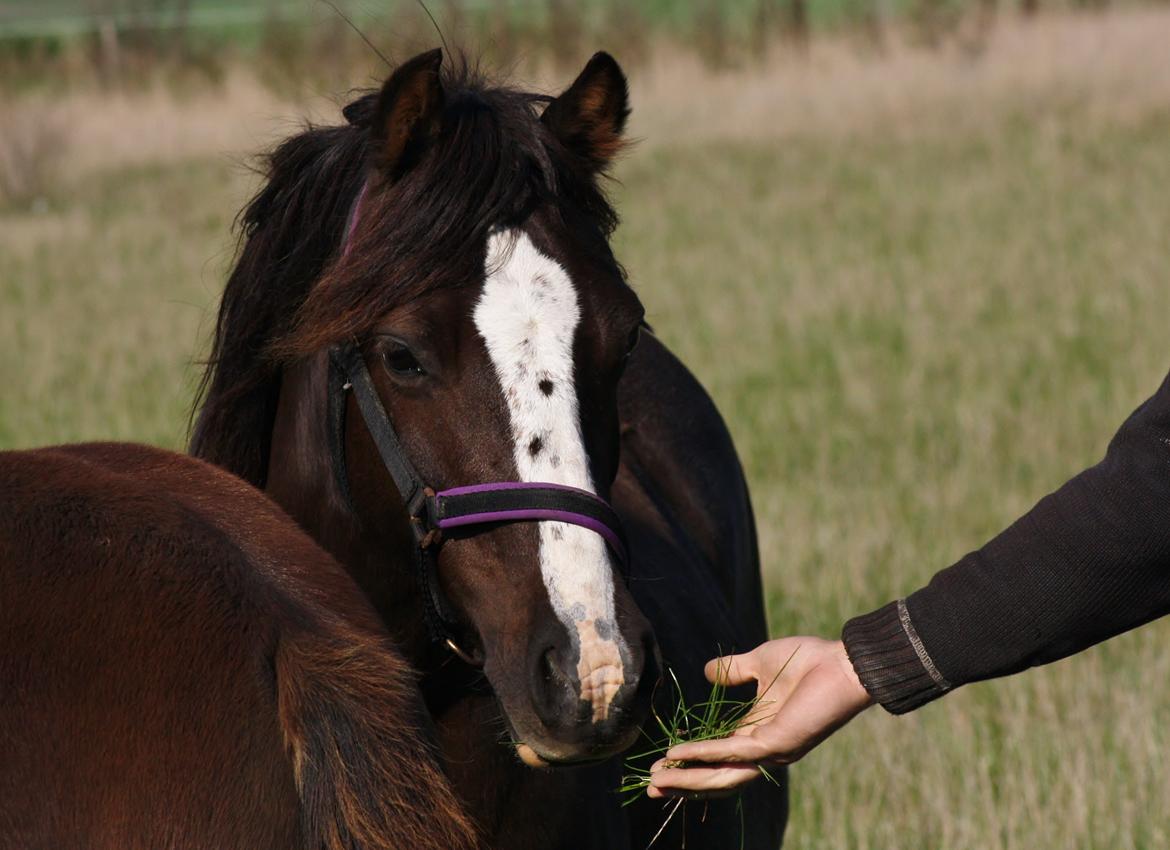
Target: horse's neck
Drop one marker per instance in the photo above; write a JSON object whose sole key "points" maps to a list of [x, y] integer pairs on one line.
{"points": [[301, 479]]}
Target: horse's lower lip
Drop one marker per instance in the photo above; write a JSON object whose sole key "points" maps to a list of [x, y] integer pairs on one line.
{"points": [[532, 758]]}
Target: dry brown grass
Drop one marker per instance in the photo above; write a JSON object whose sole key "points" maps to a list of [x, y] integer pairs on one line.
{"points": [[1114, 63], [32, 149]]}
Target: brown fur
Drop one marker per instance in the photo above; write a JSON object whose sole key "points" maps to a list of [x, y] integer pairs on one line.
{"points": [[408, 277], [183, 667]]}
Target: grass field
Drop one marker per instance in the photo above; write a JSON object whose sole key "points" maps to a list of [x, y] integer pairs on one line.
{"points": [[924, 291]]}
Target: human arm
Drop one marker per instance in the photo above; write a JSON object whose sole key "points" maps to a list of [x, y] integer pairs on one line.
{"points": [[1087, 562]]}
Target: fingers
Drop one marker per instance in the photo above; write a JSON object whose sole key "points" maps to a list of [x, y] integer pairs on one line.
{"points": [[705, 781], [731, 669], [800, 704], [714, 794], [762, 664], [737, 748]]}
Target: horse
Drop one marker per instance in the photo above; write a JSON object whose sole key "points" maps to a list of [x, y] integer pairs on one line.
{"points": [[425, 298], [182, 666]]}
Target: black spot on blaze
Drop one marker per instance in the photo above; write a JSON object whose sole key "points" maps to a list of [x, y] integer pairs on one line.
{"points": [[604, 629], [546, 386], [555, 460], [535, 446], [557, 532]]}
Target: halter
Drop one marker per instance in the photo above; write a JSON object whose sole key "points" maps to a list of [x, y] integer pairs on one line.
{"points": [[473, 509]]}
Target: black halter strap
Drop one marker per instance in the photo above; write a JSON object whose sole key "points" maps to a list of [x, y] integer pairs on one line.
{"points": [[473, 508], [348, 371]]}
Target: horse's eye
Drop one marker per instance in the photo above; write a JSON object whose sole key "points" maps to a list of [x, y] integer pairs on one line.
{"points": [[401, 362]]}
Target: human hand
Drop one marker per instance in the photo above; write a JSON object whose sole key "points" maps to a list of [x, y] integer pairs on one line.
{"points": [[800, 705]]}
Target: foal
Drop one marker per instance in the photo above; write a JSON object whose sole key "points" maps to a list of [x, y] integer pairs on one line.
{"points": [[181, 666]]}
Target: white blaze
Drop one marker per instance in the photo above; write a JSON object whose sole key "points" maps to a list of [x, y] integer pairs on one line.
{"points": [[527, 316]]}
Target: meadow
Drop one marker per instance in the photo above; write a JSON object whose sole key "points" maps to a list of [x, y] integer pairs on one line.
{"points": [[924, 288]]}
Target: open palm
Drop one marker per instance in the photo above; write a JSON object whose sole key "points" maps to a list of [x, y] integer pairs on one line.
{"points": [[807, 690]]}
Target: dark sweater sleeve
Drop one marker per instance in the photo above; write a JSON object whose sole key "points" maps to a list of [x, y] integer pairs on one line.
{"points": [[1088, 562]]}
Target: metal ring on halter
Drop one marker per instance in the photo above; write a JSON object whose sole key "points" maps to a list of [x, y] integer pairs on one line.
{"points": [[461, 653]]}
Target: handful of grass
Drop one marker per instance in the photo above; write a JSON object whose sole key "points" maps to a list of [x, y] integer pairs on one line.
{"points": [[718, 716]]}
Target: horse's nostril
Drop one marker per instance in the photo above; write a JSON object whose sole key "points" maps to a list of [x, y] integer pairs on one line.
{"points": [[551, 668], [555, 692]]}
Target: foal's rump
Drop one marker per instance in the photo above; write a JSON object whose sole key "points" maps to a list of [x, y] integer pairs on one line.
{"points": [[182, 667]]}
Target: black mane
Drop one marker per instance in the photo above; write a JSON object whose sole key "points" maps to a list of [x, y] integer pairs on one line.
{"points": [[491, 165]]}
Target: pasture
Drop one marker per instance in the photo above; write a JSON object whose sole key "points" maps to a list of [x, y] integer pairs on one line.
{"points": [[924, 288]]}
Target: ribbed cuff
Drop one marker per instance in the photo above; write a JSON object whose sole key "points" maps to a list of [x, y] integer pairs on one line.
{"points": [[891, 661]]}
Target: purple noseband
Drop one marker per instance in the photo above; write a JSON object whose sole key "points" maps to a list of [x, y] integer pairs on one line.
{"points": [[519, 501]]}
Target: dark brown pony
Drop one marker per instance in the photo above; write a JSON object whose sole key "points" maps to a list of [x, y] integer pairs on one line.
{"points": [[455, 232], [182, 667]]}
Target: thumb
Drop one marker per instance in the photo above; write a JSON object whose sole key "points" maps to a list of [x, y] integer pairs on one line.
{"points": [[731, 669]]}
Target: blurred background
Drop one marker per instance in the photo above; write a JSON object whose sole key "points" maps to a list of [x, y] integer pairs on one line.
{"points": [[916, 249]]}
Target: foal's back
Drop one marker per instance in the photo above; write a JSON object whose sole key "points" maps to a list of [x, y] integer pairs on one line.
{"points": [[182, 667]]}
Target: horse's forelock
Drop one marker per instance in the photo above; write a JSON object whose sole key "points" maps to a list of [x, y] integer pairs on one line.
{"points": [[489, 167], [291, 292]]}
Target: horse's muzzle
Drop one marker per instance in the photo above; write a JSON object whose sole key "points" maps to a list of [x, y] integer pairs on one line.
{"points": [[591, 699]]}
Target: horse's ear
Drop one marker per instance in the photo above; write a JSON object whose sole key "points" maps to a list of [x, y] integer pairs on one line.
{"points": [[408, 112], [589, 116]]}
